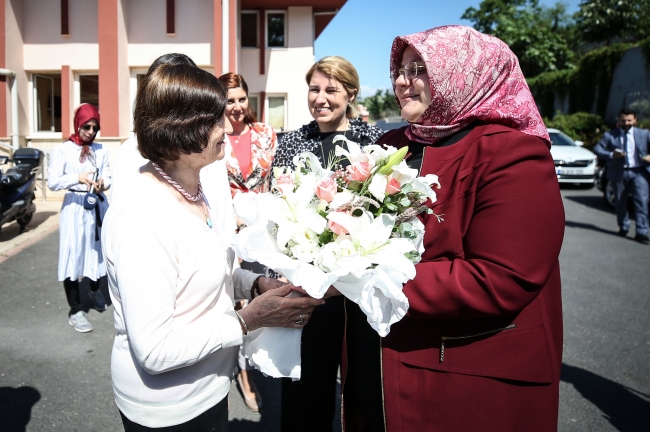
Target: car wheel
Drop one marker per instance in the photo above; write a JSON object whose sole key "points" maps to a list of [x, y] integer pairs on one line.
{"points": [[608, 193]]}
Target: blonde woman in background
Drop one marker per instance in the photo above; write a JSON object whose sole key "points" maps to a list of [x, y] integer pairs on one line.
{"points": [[333, 89]]}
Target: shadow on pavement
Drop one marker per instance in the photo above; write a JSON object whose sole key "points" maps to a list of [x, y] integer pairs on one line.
{"points": [[16, 407], [620, 405], [596, 202], [12, 230], [592, 227]]}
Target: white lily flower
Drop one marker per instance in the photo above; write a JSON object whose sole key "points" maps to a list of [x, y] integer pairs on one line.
{"points": [[294, 212], [342, 198], [309, 161], [373, 241], [355, 154], [403, 174], [423, 185], [342, 257], [305, 252], [377, 152], [377, 187]]}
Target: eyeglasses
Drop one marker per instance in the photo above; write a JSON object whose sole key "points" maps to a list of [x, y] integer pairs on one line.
{"points": [[409, 71], [88, 127]]}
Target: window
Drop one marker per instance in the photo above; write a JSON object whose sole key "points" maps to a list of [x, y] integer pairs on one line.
{"points": [[249, 29], [89, 89], [46, 102], [254, 104], [277, 112], [276, 29]]}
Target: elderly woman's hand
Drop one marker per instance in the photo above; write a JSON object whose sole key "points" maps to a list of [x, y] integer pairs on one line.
{"points": [[274, 309]]}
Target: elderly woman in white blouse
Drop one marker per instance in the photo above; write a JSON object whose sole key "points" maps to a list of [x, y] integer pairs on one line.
{"points": [[72, 167], [172, 277]]}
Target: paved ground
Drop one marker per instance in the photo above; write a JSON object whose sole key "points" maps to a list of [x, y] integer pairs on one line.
{"points": [[54, 379]]}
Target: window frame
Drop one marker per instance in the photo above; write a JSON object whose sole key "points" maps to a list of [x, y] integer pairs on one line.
{"points": [[267, 112], [32, 106], [266, 28], [257, 28], [76, 91], [256, 108]]}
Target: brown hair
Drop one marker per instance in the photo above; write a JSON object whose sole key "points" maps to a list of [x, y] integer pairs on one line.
{"points": [[233, 80], [341, 70], [176, 110]]}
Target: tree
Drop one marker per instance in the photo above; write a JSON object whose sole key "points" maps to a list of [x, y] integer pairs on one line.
{"points": [[536, 34], [382, 104], [605, 20]]}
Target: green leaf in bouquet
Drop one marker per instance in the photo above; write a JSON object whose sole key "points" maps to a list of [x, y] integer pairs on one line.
{"points": [[391, 207], [326, 237], [407, 188], [405, 202], [414, 256], [393, 160], [355, 186]]}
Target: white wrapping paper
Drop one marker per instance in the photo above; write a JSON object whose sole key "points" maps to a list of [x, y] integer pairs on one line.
{"points": [[378, 291]]}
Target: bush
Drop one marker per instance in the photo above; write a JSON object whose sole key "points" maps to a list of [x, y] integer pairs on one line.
{"points": [[580, 126], [644, 123]]}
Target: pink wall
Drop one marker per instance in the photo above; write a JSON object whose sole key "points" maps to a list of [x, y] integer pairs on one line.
{"points": [[3, 80]]}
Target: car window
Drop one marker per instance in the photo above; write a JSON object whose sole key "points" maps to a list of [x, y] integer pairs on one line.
{"points": [[560, 140]]}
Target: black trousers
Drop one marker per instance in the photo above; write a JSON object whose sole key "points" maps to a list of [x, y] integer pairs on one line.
{"points": [[213, 420], [362, 393], [71, 288], [310, 403]]}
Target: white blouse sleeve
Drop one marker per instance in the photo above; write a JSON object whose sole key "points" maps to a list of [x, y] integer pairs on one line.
{"points": [[144, 257], [57, 178], [105, 169]]}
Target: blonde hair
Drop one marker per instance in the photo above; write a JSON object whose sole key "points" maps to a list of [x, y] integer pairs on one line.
{"points": [[341, 70]]}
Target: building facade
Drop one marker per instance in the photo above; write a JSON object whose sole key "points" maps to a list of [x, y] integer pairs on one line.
{"points": [[67, 52]]}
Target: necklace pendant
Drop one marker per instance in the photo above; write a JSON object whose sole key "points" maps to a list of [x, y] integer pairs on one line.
{"points": [[208, 221]]}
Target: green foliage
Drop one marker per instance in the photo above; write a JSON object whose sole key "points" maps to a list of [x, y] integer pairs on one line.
{"points": [[593, 71], [605, 20], [382, 104], [644, 123], [538, 35], [325, 237], [582, 126]]}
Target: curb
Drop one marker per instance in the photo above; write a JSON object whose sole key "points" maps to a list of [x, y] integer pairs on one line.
{"points": [[47, 228]]}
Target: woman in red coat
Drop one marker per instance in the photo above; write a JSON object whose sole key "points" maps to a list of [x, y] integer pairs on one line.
{"points": [[481, 345]]}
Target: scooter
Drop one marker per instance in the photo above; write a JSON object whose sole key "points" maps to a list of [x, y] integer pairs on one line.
{"points": [[17, 186]]}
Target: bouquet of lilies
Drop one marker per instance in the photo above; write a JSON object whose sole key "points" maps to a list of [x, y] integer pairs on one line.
{"points": [[355, 228]]}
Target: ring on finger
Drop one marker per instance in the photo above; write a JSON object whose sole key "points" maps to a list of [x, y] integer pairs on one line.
{"points": [[301, 321]]}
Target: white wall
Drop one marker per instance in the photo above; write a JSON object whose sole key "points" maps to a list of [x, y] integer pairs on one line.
{"points": [[148, 40], [285, 67], [46, 49], [14, 13]]}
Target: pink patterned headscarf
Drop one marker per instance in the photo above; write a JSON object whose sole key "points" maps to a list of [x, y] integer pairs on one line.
{"points": [[472, 77]]}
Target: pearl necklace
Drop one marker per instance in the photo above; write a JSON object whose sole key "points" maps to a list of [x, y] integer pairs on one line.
{"points": [[182, 191]]}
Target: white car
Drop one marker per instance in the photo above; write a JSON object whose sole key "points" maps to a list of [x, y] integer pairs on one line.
{"points": [[573, 164]]}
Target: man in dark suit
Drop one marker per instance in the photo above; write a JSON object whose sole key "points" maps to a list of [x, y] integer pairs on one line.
{"points": [[626, 149]]}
